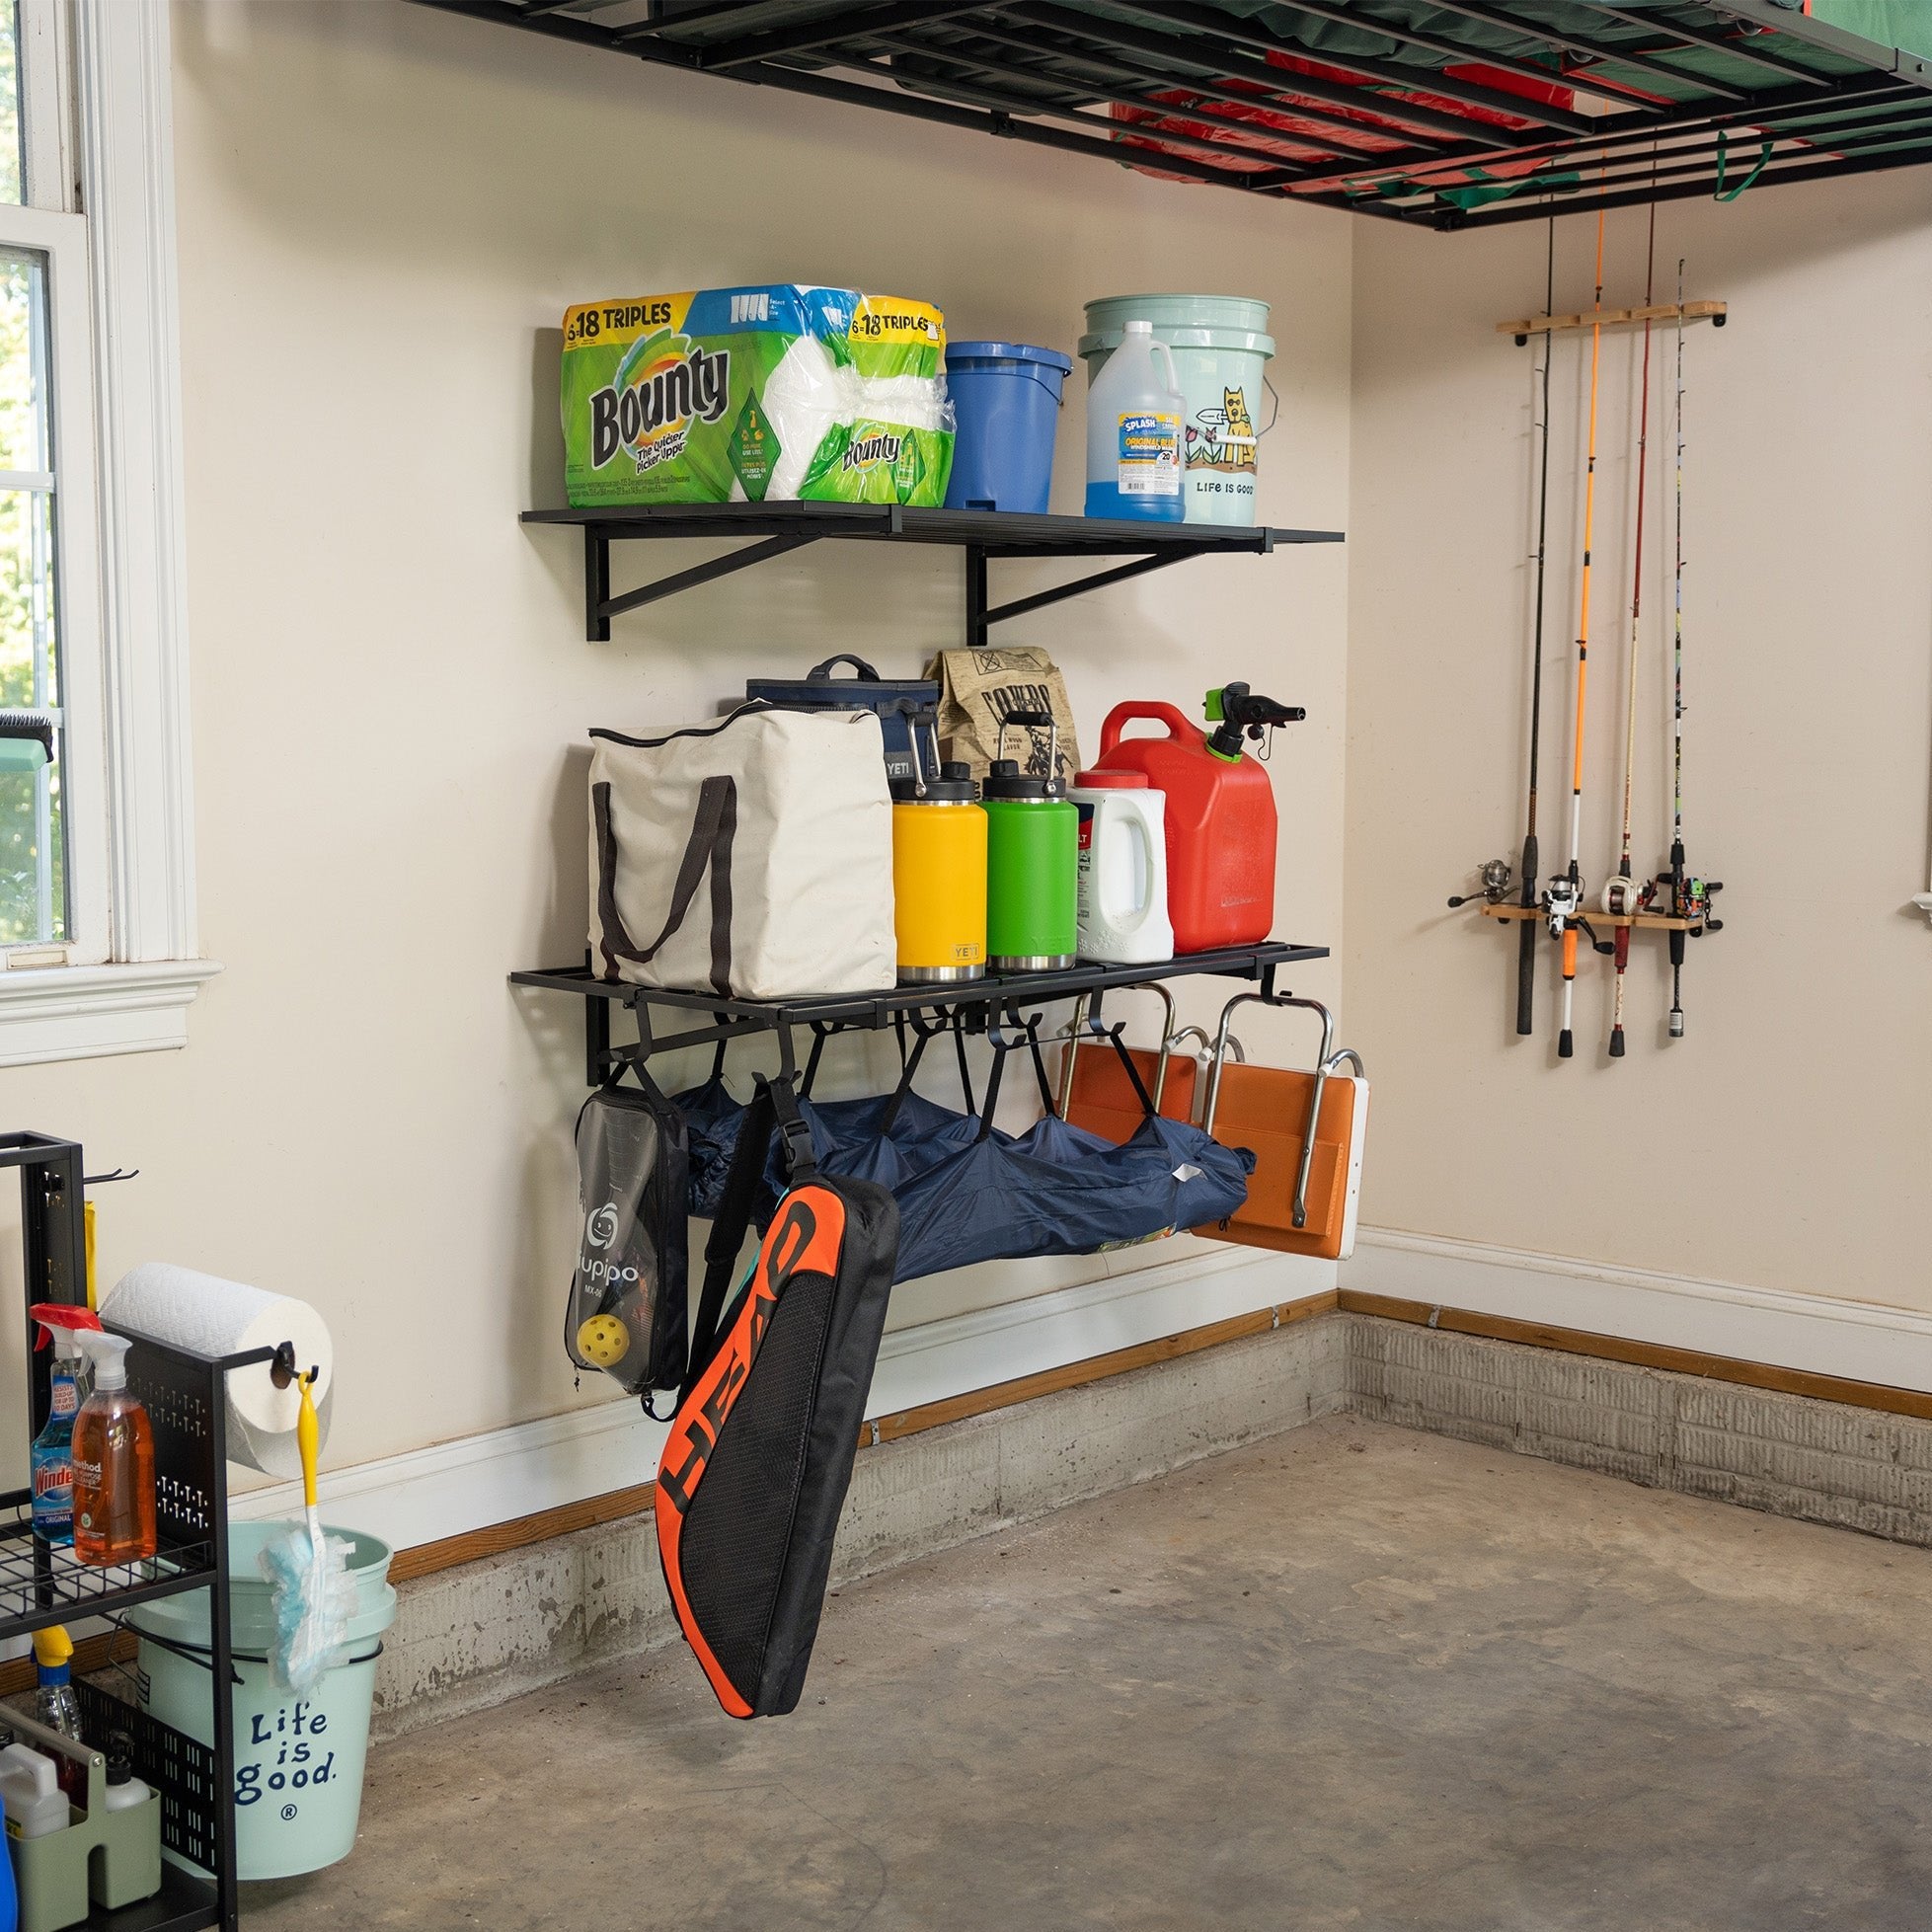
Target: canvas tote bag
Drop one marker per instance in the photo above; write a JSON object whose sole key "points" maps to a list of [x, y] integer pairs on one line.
{"points": [[752, 856]]}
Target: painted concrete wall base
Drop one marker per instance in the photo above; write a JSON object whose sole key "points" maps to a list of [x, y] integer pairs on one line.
{"points": [[487, 1630], [479, 1634]]}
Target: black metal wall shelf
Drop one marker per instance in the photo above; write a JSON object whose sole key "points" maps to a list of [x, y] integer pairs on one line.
{"points": [[1457, 115], [731, 1019], [984, 534]]}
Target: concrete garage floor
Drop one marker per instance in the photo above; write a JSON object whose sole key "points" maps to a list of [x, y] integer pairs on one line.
{"points": [[1351, 1676]]}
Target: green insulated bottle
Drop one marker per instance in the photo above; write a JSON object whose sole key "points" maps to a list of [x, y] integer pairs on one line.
{"points": [[1033, 861]]}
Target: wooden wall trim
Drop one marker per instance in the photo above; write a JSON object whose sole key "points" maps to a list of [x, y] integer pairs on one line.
{"points": [[1916, 1403], [426, 1558]]}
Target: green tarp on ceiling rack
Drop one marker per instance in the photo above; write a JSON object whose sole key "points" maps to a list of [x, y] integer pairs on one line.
{"points": [[1889, 23], [1904, 24]]}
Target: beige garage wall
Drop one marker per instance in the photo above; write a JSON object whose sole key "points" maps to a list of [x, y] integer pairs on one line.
{"points": [[383, 213], [1783, 1142]]}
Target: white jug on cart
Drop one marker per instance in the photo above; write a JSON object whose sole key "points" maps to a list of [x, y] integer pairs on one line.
{"points": [[1124, 917]]}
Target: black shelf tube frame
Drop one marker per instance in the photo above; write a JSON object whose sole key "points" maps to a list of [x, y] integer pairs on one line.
{"points": [[718, 1018], [1051, 73], [982, 535]]}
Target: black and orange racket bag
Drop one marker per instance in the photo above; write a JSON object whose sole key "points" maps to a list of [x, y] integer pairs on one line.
{"points": [[760, 1456]]}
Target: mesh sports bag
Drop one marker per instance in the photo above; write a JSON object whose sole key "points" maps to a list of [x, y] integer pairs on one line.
{"points": [[627, 1308], [760, 1456]]}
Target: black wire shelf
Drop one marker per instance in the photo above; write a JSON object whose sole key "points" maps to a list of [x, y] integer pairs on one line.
{"points": [[41, 1585], [1459, 114], [721, 1018]]}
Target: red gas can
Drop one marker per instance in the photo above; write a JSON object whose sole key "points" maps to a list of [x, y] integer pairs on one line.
{"points": [[1220, 814]]}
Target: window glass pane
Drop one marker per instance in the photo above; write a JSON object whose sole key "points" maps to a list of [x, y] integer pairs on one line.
{"points": [[11, 159], [33, 869], [24, 439]]}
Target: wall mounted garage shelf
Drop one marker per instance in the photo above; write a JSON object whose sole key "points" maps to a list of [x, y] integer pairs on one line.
{"points": [[982, 534], [1458, 113], [996, 993]]}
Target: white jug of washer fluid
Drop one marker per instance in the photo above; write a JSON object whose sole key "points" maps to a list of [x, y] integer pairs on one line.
{"points": [[1122, 868]]}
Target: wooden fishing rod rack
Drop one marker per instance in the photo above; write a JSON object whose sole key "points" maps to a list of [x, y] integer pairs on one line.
{"points": [[1659, 921], [1526, 326]]}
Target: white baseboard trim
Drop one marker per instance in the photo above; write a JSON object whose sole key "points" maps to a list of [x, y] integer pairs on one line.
{"points": [[1864, 1341], [454, 1488]]}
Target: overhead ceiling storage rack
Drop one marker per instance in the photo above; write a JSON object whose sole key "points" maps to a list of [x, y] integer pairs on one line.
{"points": [[1452, 113]]}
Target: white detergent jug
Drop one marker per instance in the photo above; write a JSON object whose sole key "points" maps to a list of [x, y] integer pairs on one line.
{"points": [[1135, 417], [1122, 868], [31, 1789]]}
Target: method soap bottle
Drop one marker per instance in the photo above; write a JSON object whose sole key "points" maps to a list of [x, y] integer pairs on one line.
{"points": [[114, 1462]]}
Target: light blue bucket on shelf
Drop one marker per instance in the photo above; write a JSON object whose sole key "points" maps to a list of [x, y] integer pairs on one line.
{"points": [[298, 1761], [1221, 348], [1006, 402]]}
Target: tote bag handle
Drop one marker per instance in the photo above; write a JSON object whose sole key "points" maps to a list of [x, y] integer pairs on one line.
{"points": [[713, 830]]}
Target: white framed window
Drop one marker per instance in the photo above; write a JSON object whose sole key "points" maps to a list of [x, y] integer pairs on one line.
{"points": [[97, 951]]}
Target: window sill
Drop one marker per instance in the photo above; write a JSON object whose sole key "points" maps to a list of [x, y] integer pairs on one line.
{"points": [[81, 1013]]}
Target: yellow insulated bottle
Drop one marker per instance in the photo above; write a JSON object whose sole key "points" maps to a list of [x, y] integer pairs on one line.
{"points": [[939, 876]]}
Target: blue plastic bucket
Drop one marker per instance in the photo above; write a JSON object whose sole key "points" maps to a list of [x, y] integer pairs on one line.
{"points": [[1006, 397], [298, 1760]]}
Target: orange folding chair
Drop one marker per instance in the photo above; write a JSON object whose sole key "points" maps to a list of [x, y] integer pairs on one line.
{"points": [[1305, 1128], [1096, 1091]]}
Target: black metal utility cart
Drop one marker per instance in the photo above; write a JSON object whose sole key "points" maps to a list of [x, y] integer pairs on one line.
{"points": [[186, 1397]]}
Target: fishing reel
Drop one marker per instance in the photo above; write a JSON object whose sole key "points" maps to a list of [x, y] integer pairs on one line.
{"points": [[1496, 875], [1562, 908], [1563, 904], [1624, 896], [1691, 899]]}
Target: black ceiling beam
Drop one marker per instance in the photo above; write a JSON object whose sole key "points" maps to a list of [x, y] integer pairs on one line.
{"points": [[1541, 208], [1782, 110], [1592, 49], [1116, 62], [1732, 46], [1281, 170], [829, 32], [1281, 95], [1389, 73], [1342, 15], [1020, 102], [1700, 161], [1272, 80], [732, 10], [1007, 126]]}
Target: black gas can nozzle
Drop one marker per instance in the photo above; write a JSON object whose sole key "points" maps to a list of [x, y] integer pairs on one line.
{"points": [[1235, 710]]}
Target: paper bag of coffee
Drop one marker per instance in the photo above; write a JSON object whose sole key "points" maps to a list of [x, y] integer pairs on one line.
{"points": [[979, 688]]}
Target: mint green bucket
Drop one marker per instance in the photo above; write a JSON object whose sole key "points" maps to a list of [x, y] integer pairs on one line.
{"points": [[1221, 346], [298, 1761]]}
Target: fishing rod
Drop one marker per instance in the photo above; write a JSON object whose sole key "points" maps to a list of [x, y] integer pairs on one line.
{"points": [[1562, 900], [1690, 898], [1622, 896], [1532, 867]]}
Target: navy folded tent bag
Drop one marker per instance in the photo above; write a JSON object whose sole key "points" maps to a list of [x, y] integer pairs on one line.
{"points": [[968, 1191]]}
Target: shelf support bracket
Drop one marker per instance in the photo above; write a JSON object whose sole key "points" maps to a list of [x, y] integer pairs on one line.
{"points": [[980, 617], [600, 606]]}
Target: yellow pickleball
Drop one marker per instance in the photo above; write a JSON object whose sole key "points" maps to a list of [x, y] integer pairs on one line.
{"points": [[603, 1340]]}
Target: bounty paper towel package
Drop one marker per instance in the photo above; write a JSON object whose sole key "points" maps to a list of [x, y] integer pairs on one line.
{"points": [[756, 395]]}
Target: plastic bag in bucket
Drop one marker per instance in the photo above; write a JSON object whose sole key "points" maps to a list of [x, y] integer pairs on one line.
{"points": [[298, 1760]]}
